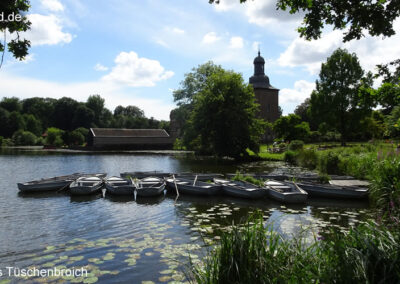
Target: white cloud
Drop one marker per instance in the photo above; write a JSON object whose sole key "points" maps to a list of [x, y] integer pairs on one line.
{"points": [[264, 13], [210, 38], [256, 45], [226, 5], [113, 95], [46, 30], [178, 31], [370, 50], [310, 54], [100, 67], [52, 5], [133, 71], [290, 98], [236, 42]]}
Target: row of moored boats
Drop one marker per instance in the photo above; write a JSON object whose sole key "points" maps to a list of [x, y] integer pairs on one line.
{"points": [[154, 183]]}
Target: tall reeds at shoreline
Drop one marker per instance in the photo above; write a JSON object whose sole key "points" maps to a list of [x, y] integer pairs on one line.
{"points": [[377, 163], [255, 254]]}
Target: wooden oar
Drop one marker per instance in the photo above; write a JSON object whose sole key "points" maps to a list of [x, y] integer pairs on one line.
{"points": [[134, 182], [68, 184], [176, 187], [195, 179]]}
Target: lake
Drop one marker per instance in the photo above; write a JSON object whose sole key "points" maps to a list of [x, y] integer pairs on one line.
{"points": [[120, 240]]}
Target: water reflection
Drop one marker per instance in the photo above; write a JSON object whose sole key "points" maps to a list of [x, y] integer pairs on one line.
{"points": [[85, 198]]}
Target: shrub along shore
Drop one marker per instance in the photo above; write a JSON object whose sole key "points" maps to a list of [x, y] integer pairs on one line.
{"points": [[366, 254]]}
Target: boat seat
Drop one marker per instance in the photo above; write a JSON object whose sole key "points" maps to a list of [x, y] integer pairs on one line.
{"points": [[119, 182], [281, 186]]}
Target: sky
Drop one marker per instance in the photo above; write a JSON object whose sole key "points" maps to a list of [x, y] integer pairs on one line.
{"points": [[137, 52]]}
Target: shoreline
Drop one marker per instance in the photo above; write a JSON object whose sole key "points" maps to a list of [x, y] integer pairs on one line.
{"points": [[76, 151]]}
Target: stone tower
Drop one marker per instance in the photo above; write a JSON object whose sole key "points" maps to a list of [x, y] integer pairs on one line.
{"points": [[266, 95]]}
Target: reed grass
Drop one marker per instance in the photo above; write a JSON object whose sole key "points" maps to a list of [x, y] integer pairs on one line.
{"points": [[255, 254]]}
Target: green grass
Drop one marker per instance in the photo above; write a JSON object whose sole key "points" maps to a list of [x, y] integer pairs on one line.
{"points": [[250, 179], [265, 155], [255, 254]]}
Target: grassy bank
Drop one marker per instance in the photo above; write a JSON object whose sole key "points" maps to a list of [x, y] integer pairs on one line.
{"points": [[254, 254], [380, 164]]}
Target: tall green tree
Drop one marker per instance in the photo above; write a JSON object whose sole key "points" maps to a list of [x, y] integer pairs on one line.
{"points": [[32, 124], [193, 84], [388, 96], [11, 104], [14, 22], [337, 100], [356, 17], [83, 117], [41, 108], [96, 104], [223, 121], [291, 127], [64, 112]]}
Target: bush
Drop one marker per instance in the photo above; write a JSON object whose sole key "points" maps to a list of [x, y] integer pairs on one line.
{"points": [[76, 137], [328, 162], [290, 157], [308, 158], [40, 141], [1, 140], [331, 136], [54, 136], [296, 145], [21, 137], [178, 145], [8, 142]]}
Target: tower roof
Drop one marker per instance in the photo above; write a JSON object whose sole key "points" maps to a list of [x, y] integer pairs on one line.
{"points": [[259, 79], [259, 59]]}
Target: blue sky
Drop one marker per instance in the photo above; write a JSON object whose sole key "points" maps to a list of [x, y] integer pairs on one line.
{"points": [[137, 52]]}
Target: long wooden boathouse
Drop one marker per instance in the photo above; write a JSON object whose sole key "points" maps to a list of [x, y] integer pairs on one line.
{"points": [[113, 138]]}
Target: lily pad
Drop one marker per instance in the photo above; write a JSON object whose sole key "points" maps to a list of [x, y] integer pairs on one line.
{"points": [[91, 280]]}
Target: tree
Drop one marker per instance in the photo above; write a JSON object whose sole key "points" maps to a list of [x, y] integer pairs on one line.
{"points": [[32, 124], [64, 112], [128, 111], [393, 122], [194, 82], [387, 73], [24, 138], [76, 137], [83, 117], [11, 104], [14, 22], [54, 136], [96, 104], [41, 108], [106, 118], [376, 17], [337, 100], [291, 127], [15, 122], [224, 122], [388, 96], [4, 125]]}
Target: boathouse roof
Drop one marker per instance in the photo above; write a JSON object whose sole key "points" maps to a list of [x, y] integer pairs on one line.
{"points": [[115, 132]]}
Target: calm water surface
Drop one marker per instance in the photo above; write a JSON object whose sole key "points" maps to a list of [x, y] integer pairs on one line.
{"points": [[120, 240]]}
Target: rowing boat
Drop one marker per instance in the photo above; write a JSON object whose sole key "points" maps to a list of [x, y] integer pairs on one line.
{"points": [[287, 192], [241, 189]]}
